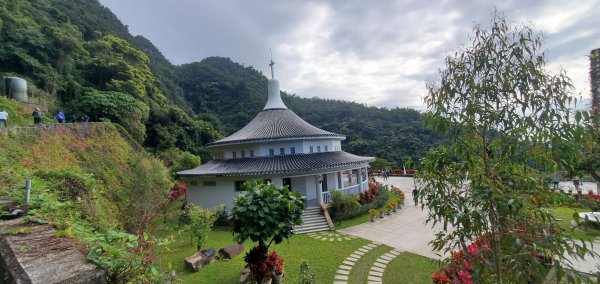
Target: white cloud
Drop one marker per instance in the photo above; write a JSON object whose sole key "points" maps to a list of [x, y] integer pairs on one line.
{"points": [[375, 52]]}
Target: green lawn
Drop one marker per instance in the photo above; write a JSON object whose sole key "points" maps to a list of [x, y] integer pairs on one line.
{"points": [[410, 268], [588, 231], [324, 257]]}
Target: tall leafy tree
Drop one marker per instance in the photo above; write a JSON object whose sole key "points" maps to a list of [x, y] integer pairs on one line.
{"points": [[591, 162], [502, 111]]}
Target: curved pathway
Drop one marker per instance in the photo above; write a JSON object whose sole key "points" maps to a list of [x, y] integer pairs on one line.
{"points": [[376, 272], [341, 275], [330, 236]]}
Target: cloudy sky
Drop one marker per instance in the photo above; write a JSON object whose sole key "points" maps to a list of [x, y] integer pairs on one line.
{"points": [[375, 52]]}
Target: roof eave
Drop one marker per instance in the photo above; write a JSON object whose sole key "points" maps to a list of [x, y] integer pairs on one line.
{"points": [[273, 139]]}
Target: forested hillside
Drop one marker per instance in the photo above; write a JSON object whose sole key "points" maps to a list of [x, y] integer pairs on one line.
{"points": [[78, 57]]}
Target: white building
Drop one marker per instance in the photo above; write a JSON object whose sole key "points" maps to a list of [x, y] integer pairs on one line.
{"points": [[280, 147]]}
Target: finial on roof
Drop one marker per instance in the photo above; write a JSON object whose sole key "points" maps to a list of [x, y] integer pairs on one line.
{"points": [[272, 63], [274, 99]]}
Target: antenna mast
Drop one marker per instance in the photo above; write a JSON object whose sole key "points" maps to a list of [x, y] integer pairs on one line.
{"points": [[272, 63]]}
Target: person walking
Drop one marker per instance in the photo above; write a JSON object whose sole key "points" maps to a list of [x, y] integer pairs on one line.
{"points": [[37, 116], [555, 181], [4, 118], [60, 117], [415, 195]]}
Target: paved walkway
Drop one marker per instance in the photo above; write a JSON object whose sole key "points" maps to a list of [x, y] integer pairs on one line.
{"points": [[405, 230]]}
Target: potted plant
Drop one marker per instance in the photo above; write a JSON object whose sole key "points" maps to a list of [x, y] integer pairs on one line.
{"points": [[381, 213], [373, 213], [393, 206], [279, 271], [388, 211]]}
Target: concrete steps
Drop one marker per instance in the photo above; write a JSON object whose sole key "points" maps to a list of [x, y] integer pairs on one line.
{"points": [[312, 221]]}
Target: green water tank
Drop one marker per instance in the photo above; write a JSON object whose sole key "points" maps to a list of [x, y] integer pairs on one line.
{"points": [[16, 88]]}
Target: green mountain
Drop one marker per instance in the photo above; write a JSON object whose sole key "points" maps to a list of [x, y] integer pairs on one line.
{"points": [[78, 57]]}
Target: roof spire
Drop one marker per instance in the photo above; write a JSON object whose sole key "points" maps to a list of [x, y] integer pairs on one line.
{"points": [[274, 99], [272, 63]]}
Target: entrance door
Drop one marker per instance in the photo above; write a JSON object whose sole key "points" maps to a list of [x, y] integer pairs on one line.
{"points": [[325, 183], [288, 182]]}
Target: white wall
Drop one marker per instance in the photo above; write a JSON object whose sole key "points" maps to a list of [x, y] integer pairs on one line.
{"points": [[262, 149], [332, 145], [212, 196], [299, 185], [311, 190], [332, 181]]}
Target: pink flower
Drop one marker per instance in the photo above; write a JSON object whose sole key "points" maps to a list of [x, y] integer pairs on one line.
{"points": [[467, 266], [473, 249], [465, 277]]}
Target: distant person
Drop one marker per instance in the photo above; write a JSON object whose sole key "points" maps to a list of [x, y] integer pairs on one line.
{"points": [[37, 116], [415, 194], [4, 118], [555, 181], [60, 117], [576, 183]]}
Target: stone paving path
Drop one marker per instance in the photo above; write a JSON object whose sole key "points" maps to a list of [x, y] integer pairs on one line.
{"points": [[330, 236], [378, 268], [341, 275]]}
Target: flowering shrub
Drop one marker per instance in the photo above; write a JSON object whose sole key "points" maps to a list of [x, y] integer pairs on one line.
{"points": [[459, 269], [368, 195], [591, 200], [261, 265], [177, 191], [401, 172]]}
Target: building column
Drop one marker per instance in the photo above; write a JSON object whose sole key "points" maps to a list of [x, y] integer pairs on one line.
{"points": [[319, 189]]}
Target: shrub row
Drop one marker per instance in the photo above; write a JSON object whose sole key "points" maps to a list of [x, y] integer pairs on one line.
{"points": [[342, 208]]}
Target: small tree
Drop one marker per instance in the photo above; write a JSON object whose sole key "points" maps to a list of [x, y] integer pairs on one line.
{"points": [[201, 222], [265, 212], [502, 113]]}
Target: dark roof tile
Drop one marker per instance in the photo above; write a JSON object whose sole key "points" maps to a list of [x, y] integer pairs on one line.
{"points": [[275, 124], [300, 163]]}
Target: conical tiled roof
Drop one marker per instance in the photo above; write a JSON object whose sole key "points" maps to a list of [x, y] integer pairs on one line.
{"points": [[275, 124]]}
